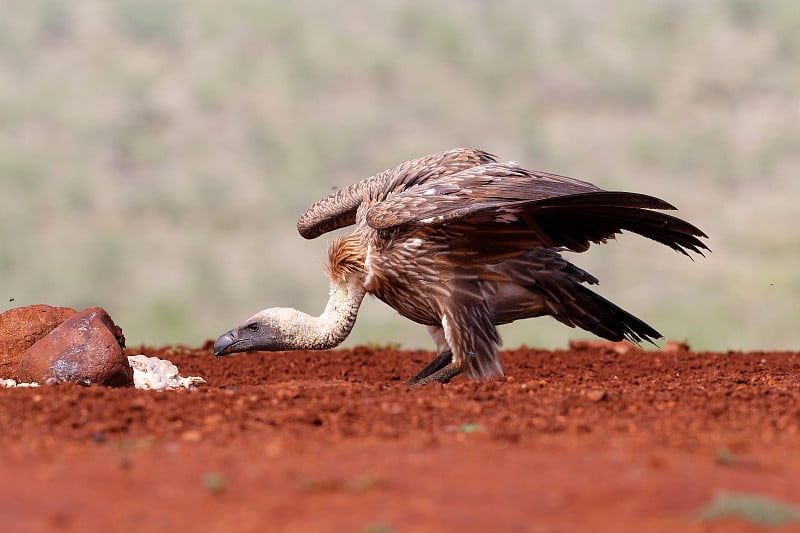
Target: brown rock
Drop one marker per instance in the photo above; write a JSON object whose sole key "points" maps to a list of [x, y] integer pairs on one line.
{"points": [[675, 347], [596, 395], [20, 328], [87, 348], [621, 347]]}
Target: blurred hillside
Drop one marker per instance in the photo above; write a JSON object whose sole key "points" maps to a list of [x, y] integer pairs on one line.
{"points": [[154, 154]]}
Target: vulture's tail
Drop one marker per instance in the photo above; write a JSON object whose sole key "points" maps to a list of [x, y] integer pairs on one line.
{"points": [[575, 305], [608, 320]]}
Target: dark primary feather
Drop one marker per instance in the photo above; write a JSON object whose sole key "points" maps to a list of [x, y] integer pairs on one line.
{"points": [[576, 226]]}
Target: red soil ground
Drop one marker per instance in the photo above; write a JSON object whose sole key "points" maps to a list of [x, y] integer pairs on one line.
{"points": [[577, 440]]}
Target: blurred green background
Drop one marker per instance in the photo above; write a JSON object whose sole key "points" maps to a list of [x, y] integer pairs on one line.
{"points": [[154, 154]]}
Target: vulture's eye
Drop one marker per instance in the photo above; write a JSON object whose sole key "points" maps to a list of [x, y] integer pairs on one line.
{"points": [[252, 327]]}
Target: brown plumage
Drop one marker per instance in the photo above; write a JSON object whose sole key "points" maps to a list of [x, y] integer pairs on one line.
{"points": [[346, 257], [341, 208], [461, 243]]}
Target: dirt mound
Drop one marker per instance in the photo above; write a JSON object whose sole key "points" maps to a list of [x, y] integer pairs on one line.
{"points": [[311, 441]]}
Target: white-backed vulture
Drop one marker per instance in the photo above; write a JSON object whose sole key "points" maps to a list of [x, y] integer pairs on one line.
{"points": [[461, 243]]}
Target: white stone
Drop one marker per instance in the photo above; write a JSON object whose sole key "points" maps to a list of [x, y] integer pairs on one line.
{"points": [[10, 383], [152, 373]]}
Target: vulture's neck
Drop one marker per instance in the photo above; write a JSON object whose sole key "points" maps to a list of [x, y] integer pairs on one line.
{"points": [[333, 325]]}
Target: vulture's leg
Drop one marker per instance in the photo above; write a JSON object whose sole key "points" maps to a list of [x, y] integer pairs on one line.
{"points": [[441, 361], [443, 375], [444, 358]]}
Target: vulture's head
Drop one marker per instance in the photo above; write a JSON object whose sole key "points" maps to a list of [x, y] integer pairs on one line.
{"points": [[270, 330]]}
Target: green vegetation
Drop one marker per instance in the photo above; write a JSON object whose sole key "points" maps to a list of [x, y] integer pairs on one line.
{"points": [[378, 528], [155, 153], [214, 482], [725, 457], [756, 509], [357, 484], [471, 428]]}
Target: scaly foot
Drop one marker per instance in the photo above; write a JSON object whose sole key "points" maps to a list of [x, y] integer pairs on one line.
{"points": [[443, 375], [438, 363]]}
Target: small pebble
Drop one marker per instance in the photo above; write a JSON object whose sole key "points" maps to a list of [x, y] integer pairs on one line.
{"points": [[596, 395], [11, 383]]}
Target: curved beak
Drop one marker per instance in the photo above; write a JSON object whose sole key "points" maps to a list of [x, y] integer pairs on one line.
{"points": [[225, 344]]}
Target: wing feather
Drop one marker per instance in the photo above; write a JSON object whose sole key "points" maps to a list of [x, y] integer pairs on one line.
{"points": [[471, 191], [508, 207], [341, 208]]}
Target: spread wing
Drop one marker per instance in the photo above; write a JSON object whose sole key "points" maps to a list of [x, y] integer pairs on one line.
{"points": [[340, 208], [505, 204]]}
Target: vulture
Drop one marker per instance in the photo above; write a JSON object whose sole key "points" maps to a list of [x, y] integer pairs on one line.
{"points": [[461, 243]]}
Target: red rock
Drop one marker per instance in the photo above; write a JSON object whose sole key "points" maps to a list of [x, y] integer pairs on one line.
{"points": [[87, 348], [20, 328]]}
